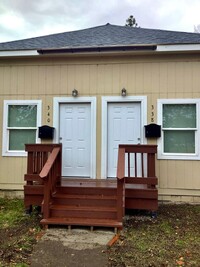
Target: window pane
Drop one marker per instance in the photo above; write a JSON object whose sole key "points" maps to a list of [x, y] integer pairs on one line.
{"points": [[179, 115], [20, 137], [179, 141], [22, 115]]}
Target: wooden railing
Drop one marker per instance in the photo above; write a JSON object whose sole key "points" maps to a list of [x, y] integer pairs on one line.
{"points": [[50, 174], [136, 165], [120, 184], [37, 157]]}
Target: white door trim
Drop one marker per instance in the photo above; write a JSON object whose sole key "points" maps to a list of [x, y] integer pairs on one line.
{"points": [[104, 137], [56, 113]]}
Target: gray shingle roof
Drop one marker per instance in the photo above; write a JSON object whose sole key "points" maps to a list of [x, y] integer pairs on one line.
{"points": [[103, 36]]}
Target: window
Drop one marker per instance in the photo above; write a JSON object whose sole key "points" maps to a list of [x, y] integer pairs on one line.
{"points": [[179, 121], [21, 121]]}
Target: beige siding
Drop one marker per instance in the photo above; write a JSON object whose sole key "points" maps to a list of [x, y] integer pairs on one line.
{"points": [[154, 77]]}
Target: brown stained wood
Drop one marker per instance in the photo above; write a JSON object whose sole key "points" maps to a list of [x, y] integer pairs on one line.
{"points": [[147, 181], [113, 240], [129, 166], [121, 163], [86, 201], [32, 177], [139, 148], [48, 165], [142, 163], [135, 164], [82, 222]]}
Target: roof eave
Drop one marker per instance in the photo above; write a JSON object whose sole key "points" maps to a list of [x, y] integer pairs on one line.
{"points": [[97, 49]]}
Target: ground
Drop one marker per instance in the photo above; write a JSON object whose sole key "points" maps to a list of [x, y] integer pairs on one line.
{"points": [[171, 239]]}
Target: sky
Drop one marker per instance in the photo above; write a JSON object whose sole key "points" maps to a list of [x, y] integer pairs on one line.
{"points": [[21, 19]]}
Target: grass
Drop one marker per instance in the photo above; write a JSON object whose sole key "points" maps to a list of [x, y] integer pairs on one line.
{"points": [[172, 239], [18, 233]]}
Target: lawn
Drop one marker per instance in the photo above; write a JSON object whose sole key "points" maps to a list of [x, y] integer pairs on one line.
{"points": [[171, 239], [18, 233]]}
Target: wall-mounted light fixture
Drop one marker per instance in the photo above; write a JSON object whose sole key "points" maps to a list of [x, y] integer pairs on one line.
{"points": [[123, 92], [74, 93]]}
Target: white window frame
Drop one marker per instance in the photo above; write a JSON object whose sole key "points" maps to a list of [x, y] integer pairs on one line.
{"points": [[179, 156], [5, 144]]}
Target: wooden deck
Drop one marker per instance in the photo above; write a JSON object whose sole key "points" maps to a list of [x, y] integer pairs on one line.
{"points": [[92, 202]]}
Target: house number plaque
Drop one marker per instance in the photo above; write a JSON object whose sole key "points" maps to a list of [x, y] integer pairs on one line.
{"points": [[48, 114], [152, 113]]}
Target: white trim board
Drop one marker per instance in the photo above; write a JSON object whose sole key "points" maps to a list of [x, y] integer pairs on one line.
{"points": [[104, 126], [64, 100]]}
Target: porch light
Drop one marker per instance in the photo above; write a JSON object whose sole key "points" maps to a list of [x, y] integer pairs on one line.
{"points": [[74, 93], [123, 92]]}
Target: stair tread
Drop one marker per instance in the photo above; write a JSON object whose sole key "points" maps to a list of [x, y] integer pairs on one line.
{"points": [[82, 208], [82, 221], [84, 196]]}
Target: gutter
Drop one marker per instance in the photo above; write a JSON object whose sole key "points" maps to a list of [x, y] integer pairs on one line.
{"points": [[97, 49]]}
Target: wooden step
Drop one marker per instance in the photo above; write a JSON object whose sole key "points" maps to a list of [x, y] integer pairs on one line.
{"points": [[85, 200], [65, 211], [82, 190], [82, 222]]}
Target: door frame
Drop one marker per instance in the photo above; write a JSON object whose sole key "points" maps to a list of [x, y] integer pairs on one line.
{"points": [[104, 129], [57, 101]]}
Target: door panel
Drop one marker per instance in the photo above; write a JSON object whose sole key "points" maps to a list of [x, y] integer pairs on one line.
{"points": [[124, 127], [75, 136]]}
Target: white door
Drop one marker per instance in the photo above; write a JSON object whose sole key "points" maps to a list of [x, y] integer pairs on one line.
{"points": [[75, 136], [124, 127]]}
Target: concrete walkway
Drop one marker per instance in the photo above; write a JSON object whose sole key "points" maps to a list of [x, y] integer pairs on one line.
{"points": [[77, 248]]}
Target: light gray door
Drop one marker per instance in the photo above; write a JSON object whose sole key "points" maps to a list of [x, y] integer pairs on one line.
{"points": [[75, 136], [124, 127]]}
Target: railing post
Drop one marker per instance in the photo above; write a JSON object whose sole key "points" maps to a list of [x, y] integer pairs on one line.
{"points": [[121, 184], [46, 200]]}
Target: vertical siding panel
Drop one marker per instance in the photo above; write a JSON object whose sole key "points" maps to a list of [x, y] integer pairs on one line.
{"points": [[131, 80], [79, 79], [100, 80], [93, 77], [155, 87], [163, 79], [41, 80], [171, 86], [27, 80], [64, 90], [148, 84], [7, 81], [139, 78], [56, 72], [71, 79], [108, 80], [34, 81], [115, 80], [20, 80], [49, 80], [123, 78], [85, 74]]}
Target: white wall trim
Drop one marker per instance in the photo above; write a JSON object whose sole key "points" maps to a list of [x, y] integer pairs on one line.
{"points": [[5, 139], [178, 47], [104, 128], [176, 156], [56, 114], [19, 53]]}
